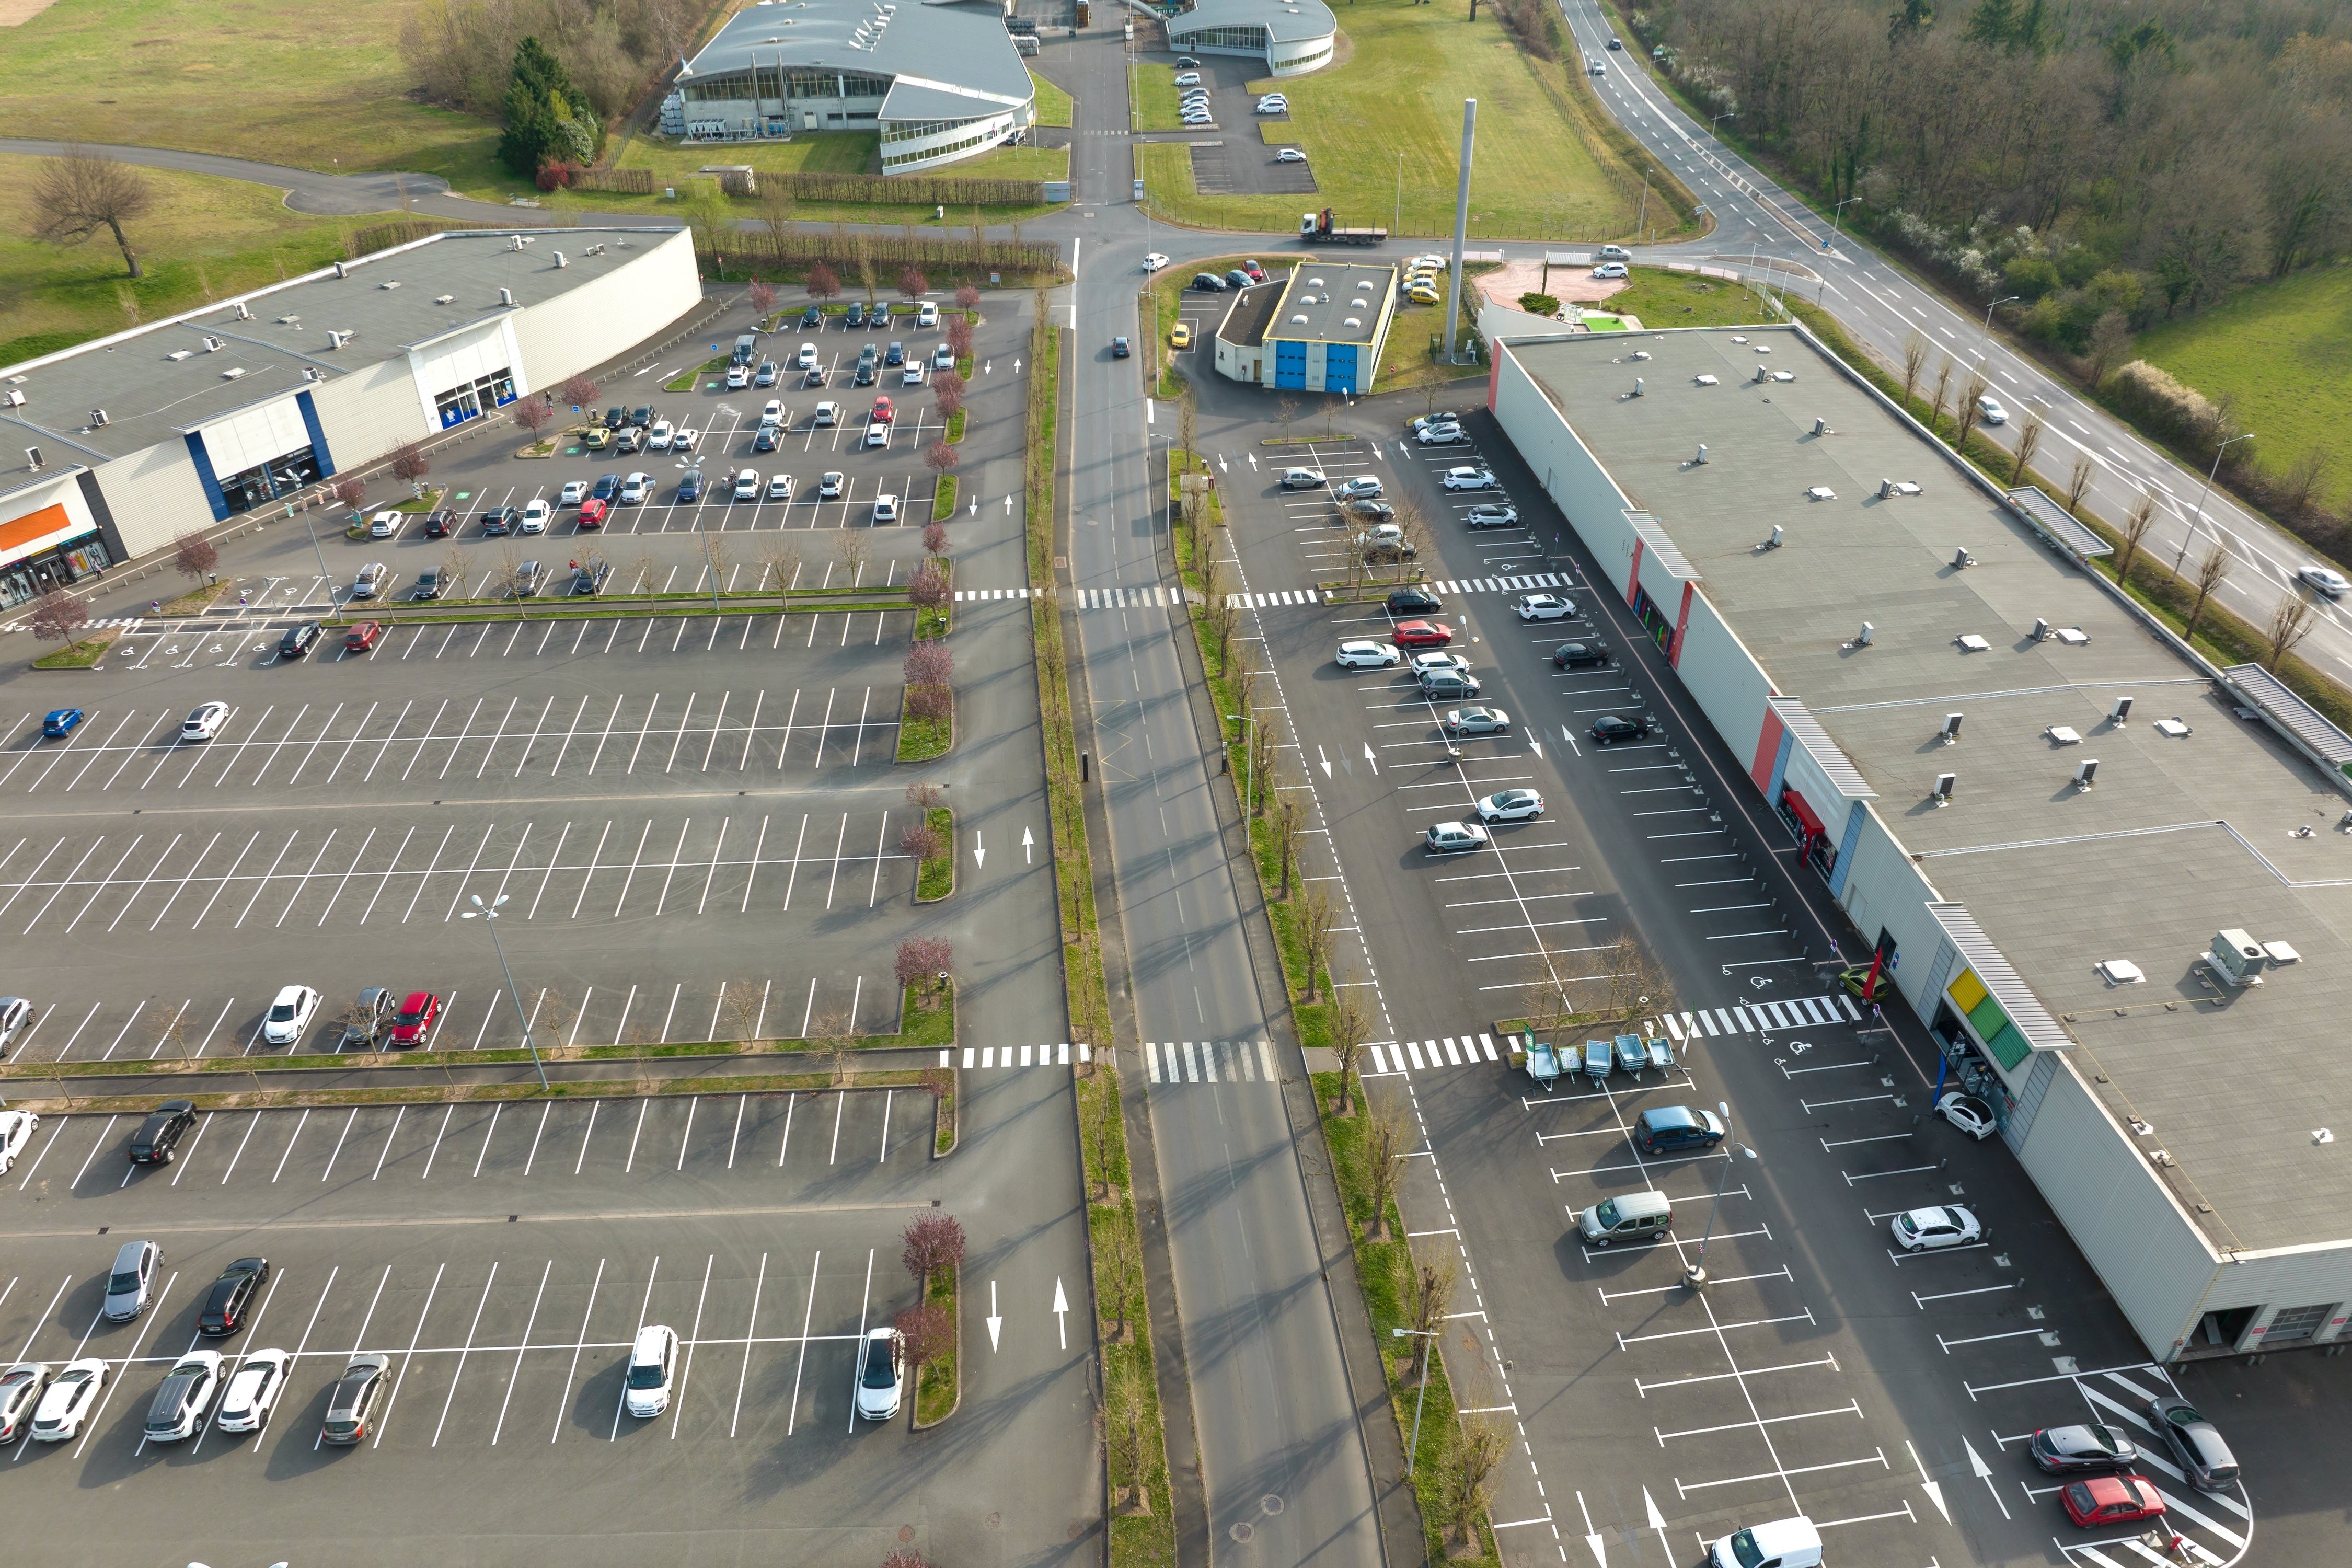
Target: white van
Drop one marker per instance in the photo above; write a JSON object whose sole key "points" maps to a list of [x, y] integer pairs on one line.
{"points": [[1784, 1543], [1629, 1216]]}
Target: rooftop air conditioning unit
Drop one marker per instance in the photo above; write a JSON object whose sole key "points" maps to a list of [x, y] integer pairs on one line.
{"points": [[515, 243], [337, 340], [289, 320], [2238, 957], [1821, 426], [562, 260], [445, 298], [1702, 453], [181, 355], [98, 417], [33, 456], [2121, 972], [232, 372], [338, 270], [389, 283], [13, 398], [2086, 773], [212, 345], [1942, 793], [506, 295]]}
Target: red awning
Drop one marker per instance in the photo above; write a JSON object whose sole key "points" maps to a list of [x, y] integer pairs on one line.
{"points": [[1796, 802]]}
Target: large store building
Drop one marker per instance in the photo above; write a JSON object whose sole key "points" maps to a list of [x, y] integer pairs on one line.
{"points": [[1293, 37], [2115, 882], [941, 80], [117, 448]]}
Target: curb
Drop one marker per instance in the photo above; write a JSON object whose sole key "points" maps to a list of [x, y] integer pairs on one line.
{"points": [[953, 841], [915, 1426], [954, 1122]]}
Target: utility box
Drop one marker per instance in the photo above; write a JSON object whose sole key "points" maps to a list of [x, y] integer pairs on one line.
{"points": [[2238, 957]]}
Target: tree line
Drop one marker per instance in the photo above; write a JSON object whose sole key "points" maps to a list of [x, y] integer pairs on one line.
{"points": [[462, 53], [2108, 168]]}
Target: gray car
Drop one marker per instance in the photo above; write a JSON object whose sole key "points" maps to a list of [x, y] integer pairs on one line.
{"points": [[352, 1405], [365, 1020], [2196, 1446], [131, 1288], [20, 1391]]}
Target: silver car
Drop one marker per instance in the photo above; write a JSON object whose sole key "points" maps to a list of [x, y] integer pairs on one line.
{"points": [[1364, 487], [21, 1387]]}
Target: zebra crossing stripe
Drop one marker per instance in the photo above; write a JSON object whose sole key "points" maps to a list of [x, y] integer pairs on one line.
{"points": [[1380, 1059], [1486, 1044], [1852, 1012], [1413, 1049], [1192, 1064], [1151, 1059], [1265, 1056]]}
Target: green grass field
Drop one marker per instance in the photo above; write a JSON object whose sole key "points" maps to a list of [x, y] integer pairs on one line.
{"points": [[305, 82], [1541, 168], [208, 238], [1054, 106], [1151, 96], [2282, 352], [1663, 298], [828, 152]]}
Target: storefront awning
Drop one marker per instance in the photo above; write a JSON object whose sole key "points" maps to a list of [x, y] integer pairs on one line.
{"points": [[1804, 813]]}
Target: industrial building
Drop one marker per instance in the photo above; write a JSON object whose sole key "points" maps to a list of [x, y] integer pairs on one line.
{"points": [[118, 447], [2115, 882], [1321, 329], [1293, 37], [941, 80]]}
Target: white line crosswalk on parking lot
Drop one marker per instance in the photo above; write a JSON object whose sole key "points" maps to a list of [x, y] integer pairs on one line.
{"points": [[988, 1059]]}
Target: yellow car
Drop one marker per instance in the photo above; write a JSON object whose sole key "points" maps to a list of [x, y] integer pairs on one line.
{"points": [[1181, 337], [599, 439], [1424, 294]]}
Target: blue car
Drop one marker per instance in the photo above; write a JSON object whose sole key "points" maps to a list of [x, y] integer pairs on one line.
{"points": [[61, 722], [607, 486], [689, 485]]}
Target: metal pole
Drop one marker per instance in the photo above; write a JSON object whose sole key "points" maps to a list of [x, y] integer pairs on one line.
{"points": [[1414, 1447], [2206, 494], [490, 915], [1461, 229], [1696, 1275], [313, 531]]}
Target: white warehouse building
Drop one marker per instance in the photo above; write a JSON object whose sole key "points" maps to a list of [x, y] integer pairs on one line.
{"points": [[118, 447], [941, 80], [1293, 37]]}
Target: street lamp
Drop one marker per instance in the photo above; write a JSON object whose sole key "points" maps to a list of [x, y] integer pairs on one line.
{"points": [[2202, 497], [312, 530], [1249, 764], [1396, 220], [1695, 1275], [1838, 217], [490, 915], [1984, 338], [1726, 114], [1415, 1447]]}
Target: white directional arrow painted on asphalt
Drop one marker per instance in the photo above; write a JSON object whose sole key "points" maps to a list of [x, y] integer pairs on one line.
{"points": [[1324, 760], [1008, 505], [995, 1324], [1253, 459], [1062, 1313], [975, 506], [987, 365], [1935, 1492], [1221, 463], [1983, 1472], [1370, 760], [1377, 452], [1026, 843], [1535, 746], [1656, 1520], [1017, 365], [979, 850]]}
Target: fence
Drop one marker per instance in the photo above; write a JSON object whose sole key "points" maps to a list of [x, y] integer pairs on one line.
{"points": [[943, 253], [848, 190]]}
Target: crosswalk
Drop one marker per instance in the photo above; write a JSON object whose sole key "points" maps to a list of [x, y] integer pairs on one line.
{"points": [[992, 1058], [1476, 1049], [1171, 1062], [26, 626], [1160, 596]]}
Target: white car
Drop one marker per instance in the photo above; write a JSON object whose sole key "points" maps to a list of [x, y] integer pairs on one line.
{"points": [[747, 485], [574, 492], [828, 416], [1188, 79], [186, 1393], [1946, 1225], [881, 1374], [686, 440], [1370, 655], [928, 314], [635, 488], [1476, 721], [774, 413], [535, 516], [1274, 106], [652, 1363], [69, 1401], [1468, 479], [658, 439], [2329, 582], [1365, 487], [1443, 433], [831, 485], [14, 1012], [878, 434], [1543, 607], [1611, 269], [1198, 117], [1511, 805], [943, 358], [290, 1015], [1989, 410], [205, 722], [911, 375], [253, 1391], [16, 1130], [1154, 262], [1303, 479], [801, 361], [384, 525], [1455, 838], [1443, 416], [885, 508], [20, 1392], [1290, 156], [738, 376], [1964, 1112], [369, 581], [1438, 661], [780, 487]]}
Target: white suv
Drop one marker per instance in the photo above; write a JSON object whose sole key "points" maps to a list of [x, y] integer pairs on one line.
{"points": [[651, 1365]]}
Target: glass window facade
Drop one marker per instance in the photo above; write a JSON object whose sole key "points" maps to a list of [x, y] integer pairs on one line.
{"points": [[279, 477], [460, 404], [1224, 39], [947, 150], [53, 568]]}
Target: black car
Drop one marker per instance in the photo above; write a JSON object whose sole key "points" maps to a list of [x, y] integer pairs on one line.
{"points": [[499, 521], [1662, 1129], [1118, 348], [1612, 729], [224, 1309], [643, 416], [160, 1133], [615, 416], [439, 524], [895, 354], [1569, 655], [2080, 1450], [1414, 602], [2196, 1447], [590, 578], [813, 319], [865, 375], [880, 318], [1208, 282], [298, 640], [857, 312]]}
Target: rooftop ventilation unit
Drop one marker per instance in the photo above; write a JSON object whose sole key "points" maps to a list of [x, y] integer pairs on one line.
{"points": [[33, 456], [1641, 353], [338, 270], [212, 345], [389, 283], [1821, 426], [1942, 793], [1705, 381], [12, 398], [515, 243], [2280, 952], [1784, 375], [1866, 636], [181, 355], [1761, 373], [244, 311], [2121, 712], [337, 340], [98, 417], [445, 298], [1962, 560], [506, 295], [1821, 492], [2121, 972], [2086, 773], [563, 261], [1702, 454], [2040, 629], [289, 319], [1777, 539], [1951, 730], [1637, 387], [232, 372], [2238, 957]]}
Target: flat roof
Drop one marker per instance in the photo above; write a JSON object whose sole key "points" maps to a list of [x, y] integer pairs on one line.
{"points": [[1324, 297], [956, 48], [447, 282], [1246, 318], [1285, 21], [2181, 835]]}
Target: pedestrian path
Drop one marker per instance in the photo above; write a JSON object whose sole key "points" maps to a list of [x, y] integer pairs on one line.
{"points": [[988, 1059], [27, 625], [1705, 1022], [1157, 595], [1171, 1062]]}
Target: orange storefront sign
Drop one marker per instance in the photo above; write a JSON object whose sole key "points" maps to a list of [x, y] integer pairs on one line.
{"points": [[33, 525]]}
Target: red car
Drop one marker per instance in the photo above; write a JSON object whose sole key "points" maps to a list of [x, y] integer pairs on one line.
{"points": [[883, 412], [2111, 1500], [418, 1014], [364, 636], [1423, 634], [593, 512]]}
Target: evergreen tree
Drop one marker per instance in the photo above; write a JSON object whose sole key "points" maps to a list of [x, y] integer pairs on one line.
{"points": [[1993, 24], [547, 117]]}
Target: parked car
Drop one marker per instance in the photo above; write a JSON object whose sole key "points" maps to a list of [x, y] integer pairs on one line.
{"points": [[1413, 602], [429, 581], [768, 372], [179, 1406], [2106, 1500], [658, 439], [131, 1285], [1455, 838], [593, 514], [1440, 435], [885, 508], [895, 354], [747, 485], [1180, 337], [499, 522], [690, 487], [205, 722], [738, 376], [1573, 655], [1188, 79], [1449, 684], [642, 416], [856, 313], [1784, 1543], [1369, 511], [1208, 282], [412, 1027], [1360, 655], [1610, 731], [385, 524], [588, 578], [21, 1387], [686, 440], [767, 439], [1966, 1113], [1476, 721], [1929, 1229], [881, 1374], [16, 1130], [876, 435], [2196, 1443], [1290, 156], [780, 487], [353, 1403], [1386, 541], [912, 375], [1437, 660], [535, 516], [1664, 1129], [1422, 634], [616, 418], [813, 319], [653, 1362], [1491, 514], [2076, 1450], [59, 722], [883, 412], [252, 1392], [1611, 269], [1442, 417], [440, 524], [1303, 479], [831, 484], [1543, 607], [928, 315], [828, 416], [365, 1023], [1468, 478], [67, 1402], [812, 376], [1511, 805], [299, 640]]}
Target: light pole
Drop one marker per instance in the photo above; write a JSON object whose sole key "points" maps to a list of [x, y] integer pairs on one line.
{"points": [[312, 530], [490, 915], [2202, 497], [1696, 1275], [1726, 114], [1838, 217], [1418, 1398], [1984, 338], [711, 564], [1249, 764], [1396, 219]]}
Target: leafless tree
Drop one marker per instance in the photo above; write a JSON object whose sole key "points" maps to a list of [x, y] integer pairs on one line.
{"points": [[2135, 530], [925, 796], [171, 1026], [59, 616], [650, 576], [833, 1032], [2078, 483], [350, 489], [2029, 438], [411, 462], [1121, 1268], [555, 1016], [2301, 479], [1967, 412], [1285, 410], [854, 549], [2110, 340], [2210, 570], [780, 560], [1265, 738], [1346, 1026], [920, 842], [76, 196], [1914, 360], [455, 570], [2291, 622], [1943, 390], [1285, 839], [1387, 1139], [776, 204], [1316, 916], [1123, 1436], [1433, 1293], [742, 1002], [1469, 1479]]}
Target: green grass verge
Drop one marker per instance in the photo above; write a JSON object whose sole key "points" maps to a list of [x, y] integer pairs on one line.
{"points": [[938, 621], [943, 1113], [943, 498], [936, 877], [935, 1388], [921, 740], [828, 152], [1151, 97], [1053, 105], [684, 380], [2282, 354], [955, 425], [1554, 174], [1663, 298], [196, 600], [81, 653], [527, 1090]]}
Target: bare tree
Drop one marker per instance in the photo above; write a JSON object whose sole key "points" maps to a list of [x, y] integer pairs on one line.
{"points": [[171, 1026], [854, 549], [1386, 1141], [454, 570], [2302, 480], [1285, 410], [742, 1000], [647, 563], [1124, 1434], [350, 489], [1943, 390], [926, 796], [2110, 340], [921, 842], [2210, 570], [76, 196], [1469, 1479], [2029, 438], [1346, 1026], [1285, 842], [59, 616], [2078, 483], [1914, 360], [2135, 530], [1433, 1293], [553, 1015], [780, 561], [1264, 737], [2291, 622], [1970, 391], [1314, 918], [1120, 1268]]}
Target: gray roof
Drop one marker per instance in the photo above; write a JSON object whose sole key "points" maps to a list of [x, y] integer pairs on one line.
{"points": [[1246, 317], [2181, 836], [940, 45], [150, 397], [1285, 21], [1336, 287]]}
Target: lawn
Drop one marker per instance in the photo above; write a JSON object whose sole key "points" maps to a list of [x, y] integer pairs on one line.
{"points": [[208, 238], [826, 152], [306, 82], [1054, 106], [1542, 167], [1663, 298], [1151, 97], [2282, 354]]}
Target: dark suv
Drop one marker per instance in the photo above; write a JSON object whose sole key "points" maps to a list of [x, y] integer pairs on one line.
{"points": [[1414, 602], [298, 640], [160, 1133], [1569, 655], [225, 1309], [1611, 729], [499, 521]]}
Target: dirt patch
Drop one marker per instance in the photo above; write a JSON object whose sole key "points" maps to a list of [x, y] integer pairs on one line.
{"points": [[16, 13]]}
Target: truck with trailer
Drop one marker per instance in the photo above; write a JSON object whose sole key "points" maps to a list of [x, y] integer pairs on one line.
{"points": [[1321, 228]]}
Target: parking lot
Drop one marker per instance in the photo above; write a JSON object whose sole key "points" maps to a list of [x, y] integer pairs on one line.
{"points": [[1822, 1371]]}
